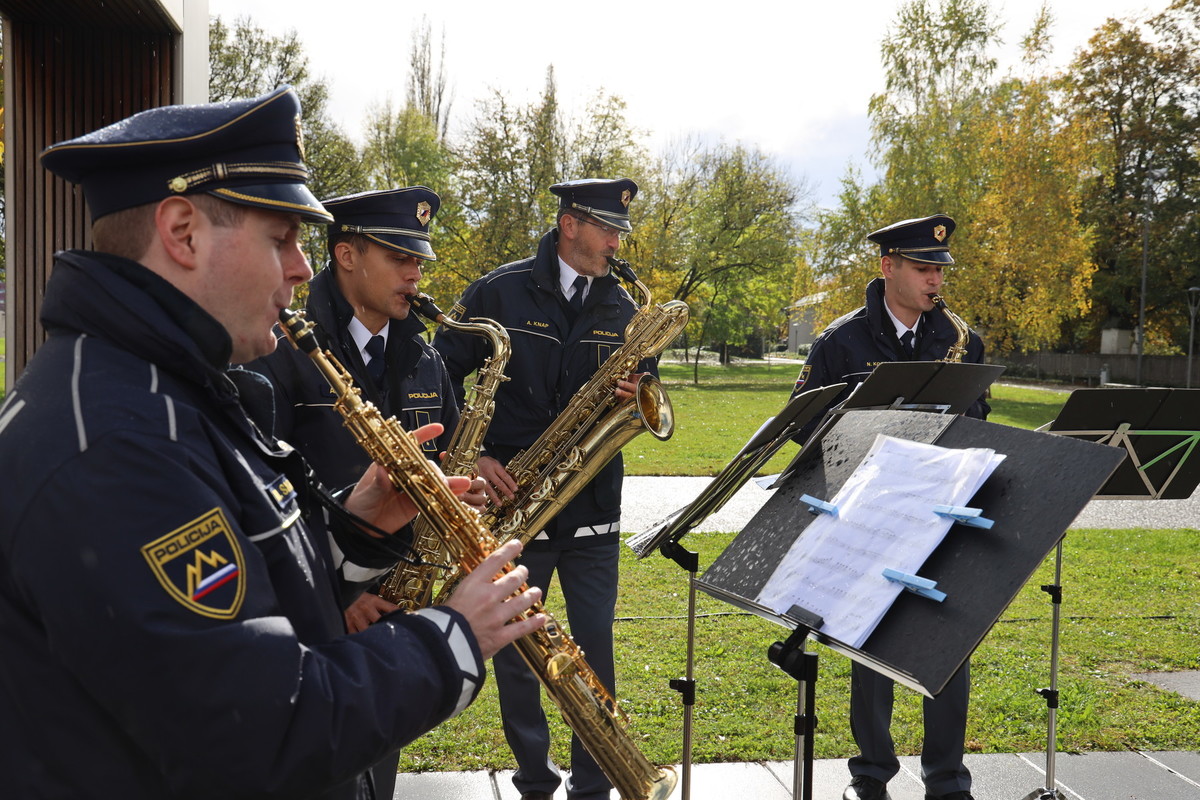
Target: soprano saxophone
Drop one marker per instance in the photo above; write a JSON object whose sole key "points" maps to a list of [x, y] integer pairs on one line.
{"points": [[587, 707], [594, 426], [410, 584]]}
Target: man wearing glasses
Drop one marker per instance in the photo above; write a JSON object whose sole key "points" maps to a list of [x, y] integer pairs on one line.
{"points": [[565, 313]]}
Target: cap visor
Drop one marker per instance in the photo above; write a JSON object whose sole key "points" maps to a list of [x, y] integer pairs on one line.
{"points": [[286, 198], [404, 244], [937, 257]]}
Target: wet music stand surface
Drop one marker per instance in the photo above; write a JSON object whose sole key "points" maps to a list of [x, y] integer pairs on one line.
{"points": [[1157, 428], [1033, 496]]}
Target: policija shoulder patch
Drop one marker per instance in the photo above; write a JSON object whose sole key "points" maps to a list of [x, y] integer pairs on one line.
{"points": [[807, 368], [200, 564]]}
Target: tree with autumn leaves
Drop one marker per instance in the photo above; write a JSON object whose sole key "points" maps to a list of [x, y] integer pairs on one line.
{"points": [[1052, 178]]}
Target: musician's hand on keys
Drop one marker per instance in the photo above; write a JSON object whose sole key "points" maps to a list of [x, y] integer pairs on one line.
{"points": [[489, 604], [497, 481], [376, 500]]}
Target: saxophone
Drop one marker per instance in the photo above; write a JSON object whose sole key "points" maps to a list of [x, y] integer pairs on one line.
{"points": [[594, 426], [587, 707], [959, 349], [410, 585]]}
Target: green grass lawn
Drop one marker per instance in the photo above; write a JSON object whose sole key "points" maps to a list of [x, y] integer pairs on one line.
{"points": [[1131, 604]]}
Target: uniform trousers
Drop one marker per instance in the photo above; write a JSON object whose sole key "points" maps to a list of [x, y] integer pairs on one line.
{"points": [[945, 719], [588, 577]]}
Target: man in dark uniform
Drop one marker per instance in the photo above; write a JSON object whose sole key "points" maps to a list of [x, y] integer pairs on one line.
{"points": [[170, 591], [565, 312], [376, 242], [899, 323]]}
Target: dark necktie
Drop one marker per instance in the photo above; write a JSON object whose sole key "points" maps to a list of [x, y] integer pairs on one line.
{"points": [[906, 341], [576, 301], [376, 365]]}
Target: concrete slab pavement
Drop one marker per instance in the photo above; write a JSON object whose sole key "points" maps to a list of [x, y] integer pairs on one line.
{"points": [[998, 776]]}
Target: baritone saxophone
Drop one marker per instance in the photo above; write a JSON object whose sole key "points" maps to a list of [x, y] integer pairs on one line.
{"points": [[594, 426], [586, 705], [410, 585]]}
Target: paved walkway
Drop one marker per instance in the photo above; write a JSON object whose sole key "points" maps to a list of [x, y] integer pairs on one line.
{"points": [[1011, 776], [1092, 776]]}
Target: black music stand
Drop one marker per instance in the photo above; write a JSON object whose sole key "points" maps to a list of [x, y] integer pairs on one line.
{"points": [[935, 386], [1158, 430], [1032, 497], [665, 534]]}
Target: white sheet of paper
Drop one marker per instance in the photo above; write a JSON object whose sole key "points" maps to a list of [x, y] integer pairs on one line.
{"points": [[885, 520]]}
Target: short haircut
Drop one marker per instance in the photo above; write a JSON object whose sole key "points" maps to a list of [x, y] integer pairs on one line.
{"points": [[356, 240], [129, 232]]}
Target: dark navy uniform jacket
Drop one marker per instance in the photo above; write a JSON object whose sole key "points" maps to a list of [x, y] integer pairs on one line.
{"points": [[551, 359], [417, 388], [856, 343], [170, 619]]}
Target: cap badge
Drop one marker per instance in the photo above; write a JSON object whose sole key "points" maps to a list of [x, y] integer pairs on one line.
{"points": [[939, 232], [424, 213], [299, 138], [626, 196]]}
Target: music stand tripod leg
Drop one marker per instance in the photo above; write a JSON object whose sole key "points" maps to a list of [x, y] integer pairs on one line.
{"points": [[792, 657], [1050, 790], [686, 686]]}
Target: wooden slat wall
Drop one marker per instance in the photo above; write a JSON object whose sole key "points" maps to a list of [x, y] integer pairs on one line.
{"points": [[62, 82]]}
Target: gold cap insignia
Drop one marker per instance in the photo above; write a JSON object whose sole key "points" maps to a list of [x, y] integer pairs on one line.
{"points": [[626, 196], [178, 184], [299, 138], [424, 213], [939, 232]]}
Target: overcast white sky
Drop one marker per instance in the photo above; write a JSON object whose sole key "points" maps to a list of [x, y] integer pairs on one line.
{"points": [[790, 76]]}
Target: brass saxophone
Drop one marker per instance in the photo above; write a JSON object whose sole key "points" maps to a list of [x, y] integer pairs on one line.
{"points": [[959, 349], [594, 426], [410, 585], [587, 707]]}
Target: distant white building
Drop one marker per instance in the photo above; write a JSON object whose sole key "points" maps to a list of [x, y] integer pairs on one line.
{"points": [[802, 321]]}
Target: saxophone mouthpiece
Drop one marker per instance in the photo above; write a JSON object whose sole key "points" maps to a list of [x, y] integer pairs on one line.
{"points": [[423, 304], [622, 268], [298, 330]]}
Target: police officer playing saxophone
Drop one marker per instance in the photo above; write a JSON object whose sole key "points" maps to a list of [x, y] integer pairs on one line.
{"points": [[564, 312], [899, 323], [170, 591], [377, 243]]}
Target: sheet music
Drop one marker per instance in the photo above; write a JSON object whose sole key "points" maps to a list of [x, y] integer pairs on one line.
{"points": [[885, 520]]}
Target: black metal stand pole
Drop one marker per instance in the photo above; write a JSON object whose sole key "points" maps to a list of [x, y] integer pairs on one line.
{"points": [[1050, 790], [686, 686], [791, 657]]}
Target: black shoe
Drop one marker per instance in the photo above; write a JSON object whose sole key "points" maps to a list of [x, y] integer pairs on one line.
{"points": [[537, 795], [863, 787], [959, 795]]}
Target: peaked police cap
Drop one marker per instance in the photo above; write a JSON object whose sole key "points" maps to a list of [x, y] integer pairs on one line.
{"points": [[247, 152], [397, 219], [604, 200], [926, 239]]}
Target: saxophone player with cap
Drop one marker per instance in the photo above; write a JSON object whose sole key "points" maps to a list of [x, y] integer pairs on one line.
{"points": [[900, 322], [565, 313], [378, 242]]}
